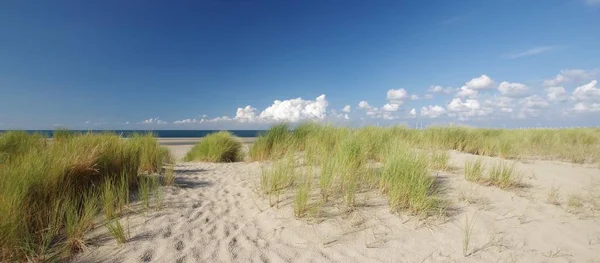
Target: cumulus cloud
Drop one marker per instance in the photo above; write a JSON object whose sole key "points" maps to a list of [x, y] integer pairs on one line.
{"points": [[480, 83], [153, 121], [535, 102], [513, 90], [364, 105], [346, 108], [397, 94], [582, 107], [414, 97], [587, 92], [246, 114], [432, 111], [390, 107], [473, 86], [295, 110], [572, 76], [440, 89], [467, 109], [556, 94]]}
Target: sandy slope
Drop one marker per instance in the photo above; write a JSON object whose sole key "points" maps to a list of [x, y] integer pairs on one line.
{"points": [[214, 215]]}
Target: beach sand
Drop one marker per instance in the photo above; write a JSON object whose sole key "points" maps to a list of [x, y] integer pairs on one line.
{"points": [[216, 214]]}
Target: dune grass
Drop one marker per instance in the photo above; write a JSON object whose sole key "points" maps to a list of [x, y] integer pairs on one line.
{"points": [[274, 143], [474, 171], [219, 147], [399, 161], [407, 183], [50, 193]]}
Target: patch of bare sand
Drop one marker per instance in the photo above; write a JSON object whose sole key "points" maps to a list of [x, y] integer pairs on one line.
{"points": [[216, 215]]}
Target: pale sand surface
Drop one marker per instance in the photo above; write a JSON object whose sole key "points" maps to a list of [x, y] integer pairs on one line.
{"points": [[214, 214]]}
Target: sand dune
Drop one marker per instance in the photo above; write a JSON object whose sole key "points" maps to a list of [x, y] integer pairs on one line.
{"points": [[215, 214]]}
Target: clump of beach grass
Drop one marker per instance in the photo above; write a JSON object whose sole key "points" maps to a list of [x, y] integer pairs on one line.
{"points": [[474, 171], [272, 144], [503, 175], [50, 193], [407, 183], [219, 147]]}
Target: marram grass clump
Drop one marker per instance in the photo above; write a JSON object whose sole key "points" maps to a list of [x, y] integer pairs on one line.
{"points": [[220, 147], [50, 193]]}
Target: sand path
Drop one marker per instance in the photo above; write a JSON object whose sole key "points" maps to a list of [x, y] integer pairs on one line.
{"points": [[215, 215]]}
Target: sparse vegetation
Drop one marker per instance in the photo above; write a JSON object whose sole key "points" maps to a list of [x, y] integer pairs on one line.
{"points": [[219, 147], [474, 171], [50, 192], [553, 196]]}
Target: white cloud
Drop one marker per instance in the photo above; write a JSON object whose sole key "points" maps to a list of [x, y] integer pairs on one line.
{"points": [[582, 107], [153, 121], [513, 90], [556, 94], [364, 105], [397, 94], [246, 114], [587, 92], [189, 121], [473, 86], [457, 105], [534, 101], [391, 107], [432, 111], [413, 112], [295, 110], [480, 83], [506, 109], [346, 108], [531, 52], [466, 92], [571, 76], [467, 109], [414, 97], [428, 96], [440, 89]]}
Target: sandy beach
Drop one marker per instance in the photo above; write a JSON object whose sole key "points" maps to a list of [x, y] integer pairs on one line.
{"points": [[215, 214]]}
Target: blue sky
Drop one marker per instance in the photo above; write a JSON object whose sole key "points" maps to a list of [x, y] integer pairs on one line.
{"points": [[199, 64]]}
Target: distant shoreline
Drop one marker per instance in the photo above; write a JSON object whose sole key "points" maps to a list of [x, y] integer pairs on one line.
{"points": [[175, 134]]}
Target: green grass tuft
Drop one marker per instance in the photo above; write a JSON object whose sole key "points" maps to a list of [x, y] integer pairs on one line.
{"points": [[219, 147]]}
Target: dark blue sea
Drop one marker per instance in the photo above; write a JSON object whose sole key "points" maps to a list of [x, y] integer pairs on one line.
{"points": [[159, 133]]}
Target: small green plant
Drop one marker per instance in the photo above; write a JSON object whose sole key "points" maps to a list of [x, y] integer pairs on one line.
{"points": [[116, 230], [574, 202], [474, 171], [503, 175], [467, 234], [219, 147]]}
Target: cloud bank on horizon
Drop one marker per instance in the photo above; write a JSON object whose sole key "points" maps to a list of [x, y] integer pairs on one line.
{"points": [[571, 93]]}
